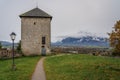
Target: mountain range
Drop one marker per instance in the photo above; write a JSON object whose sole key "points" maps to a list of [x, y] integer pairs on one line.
{"points": [[83, 39]]}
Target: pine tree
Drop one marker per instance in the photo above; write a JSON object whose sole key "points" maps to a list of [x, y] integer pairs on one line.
{"points": [[19, 47], [115, 38]]}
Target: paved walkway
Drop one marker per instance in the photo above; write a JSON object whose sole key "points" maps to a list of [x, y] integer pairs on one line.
{"points": [[39, 73]]}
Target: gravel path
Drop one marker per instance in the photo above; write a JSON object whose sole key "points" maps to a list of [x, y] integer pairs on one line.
{"points": [[39, 73]]}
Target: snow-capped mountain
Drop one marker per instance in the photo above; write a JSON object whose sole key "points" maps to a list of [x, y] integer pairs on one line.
{"points": [[83, 39], [82, 34]]}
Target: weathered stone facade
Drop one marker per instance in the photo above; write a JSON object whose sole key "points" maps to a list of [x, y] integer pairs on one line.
{"points": [[32, 30]]}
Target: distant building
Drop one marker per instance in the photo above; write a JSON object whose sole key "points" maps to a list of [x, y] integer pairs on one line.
{"points": [[35, 32]]}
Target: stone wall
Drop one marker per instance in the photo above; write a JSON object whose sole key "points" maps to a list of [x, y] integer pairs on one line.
{"points": [[5, 54], [32, 31]]}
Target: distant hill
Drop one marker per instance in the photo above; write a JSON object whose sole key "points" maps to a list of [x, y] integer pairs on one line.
{"points": [[6, 43]]}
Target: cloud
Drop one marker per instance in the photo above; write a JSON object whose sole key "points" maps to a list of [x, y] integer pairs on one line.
{"points": [[69, 16]]}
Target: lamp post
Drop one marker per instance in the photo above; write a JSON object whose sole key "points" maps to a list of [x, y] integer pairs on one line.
{"points": [[13, 35]]}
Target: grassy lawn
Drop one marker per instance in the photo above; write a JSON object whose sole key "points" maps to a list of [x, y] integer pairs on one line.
{"points": [[82, 67], [25, 67]]}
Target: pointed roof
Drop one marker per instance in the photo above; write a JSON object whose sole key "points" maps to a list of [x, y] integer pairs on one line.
{"points": [[37, 13]]}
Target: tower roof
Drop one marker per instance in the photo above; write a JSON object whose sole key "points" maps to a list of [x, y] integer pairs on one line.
{"points": [[37, 13]]}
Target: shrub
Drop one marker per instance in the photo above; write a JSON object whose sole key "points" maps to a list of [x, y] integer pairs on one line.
{"points": [[19, 50]]}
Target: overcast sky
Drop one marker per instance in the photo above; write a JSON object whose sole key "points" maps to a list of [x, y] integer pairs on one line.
{"points": [[69, 16]]}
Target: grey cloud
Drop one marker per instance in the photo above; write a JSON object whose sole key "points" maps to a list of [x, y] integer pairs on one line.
{"points": [[69, 16]]}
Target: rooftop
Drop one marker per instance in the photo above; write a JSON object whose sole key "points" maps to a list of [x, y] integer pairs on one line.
{"points": [[36, 12]]}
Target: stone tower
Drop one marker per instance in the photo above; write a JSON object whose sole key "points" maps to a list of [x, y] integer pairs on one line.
{"points": [[35, 32]]}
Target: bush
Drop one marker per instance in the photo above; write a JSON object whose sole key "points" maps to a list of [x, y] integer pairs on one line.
{"points": [[115, 52], [19, 48]]}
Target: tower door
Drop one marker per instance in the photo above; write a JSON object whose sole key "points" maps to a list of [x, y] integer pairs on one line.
{"points": [[43, 49]]}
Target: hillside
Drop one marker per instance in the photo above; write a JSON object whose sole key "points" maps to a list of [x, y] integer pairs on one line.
{"points": [[82, 67]]}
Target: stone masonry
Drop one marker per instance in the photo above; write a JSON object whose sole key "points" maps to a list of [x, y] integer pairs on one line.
{"points": [[33, 28]]}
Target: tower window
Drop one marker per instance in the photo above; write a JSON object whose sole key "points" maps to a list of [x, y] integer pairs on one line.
{"points": [[43, 40], [34, 23]]}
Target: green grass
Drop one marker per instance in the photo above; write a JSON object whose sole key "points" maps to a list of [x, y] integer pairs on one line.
{"points": [[82, 67], [25, 67]]}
